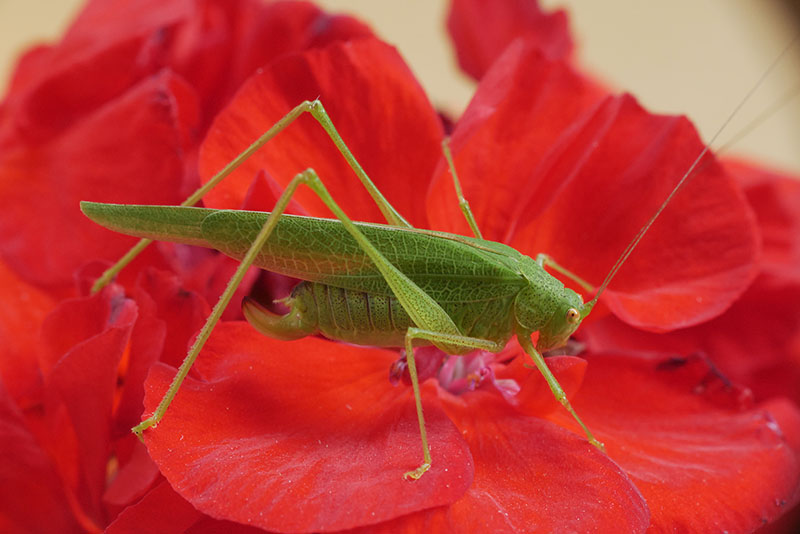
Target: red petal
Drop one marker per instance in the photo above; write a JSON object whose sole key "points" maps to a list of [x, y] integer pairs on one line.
{"points": [[264, 193], [105, 21], [161, 510], [215, 44], [217, 282], [147, 343], [29, 66], [31, 494], [377, 107], [22, 310], [133, 480], [80, 389], [183, 311], [225, 42], [755, 343], [207, 273], [786, 414], [775, 197], [530, 476], [701, 468], [787, 524], [550, 479], [524, 109], [788, 419], [595, 176], [300, 436], [213, 526], [481, 31], [128, 151], [695, 260], [535, 397], [169, 318], [112, 43]]}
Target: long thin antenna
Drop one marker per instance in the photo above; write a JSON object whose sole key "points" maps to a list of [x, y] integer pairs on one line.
{"points": [[762, 117], [684, 179]]}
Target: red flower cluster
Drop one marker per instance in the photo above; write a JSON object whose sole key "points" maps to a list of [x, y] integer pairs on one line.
{"points": [[701, 425]]}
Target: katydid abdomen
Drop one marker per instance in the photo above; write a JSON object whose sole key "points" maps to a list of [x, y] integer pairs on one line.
{"points": [[371, 319]]}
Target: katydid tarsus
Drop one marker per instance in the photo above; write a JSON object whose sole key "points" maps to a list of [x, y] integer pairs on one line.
{"points": [[377, 290]]}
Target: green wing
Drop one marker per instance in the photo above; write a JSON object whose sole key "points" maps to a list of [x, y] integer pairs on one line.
{"points": [[450, 268]]}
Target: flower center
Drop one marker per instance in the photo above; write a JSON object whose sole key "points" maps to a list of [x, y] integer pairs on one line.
{"points": [[456, 374]]}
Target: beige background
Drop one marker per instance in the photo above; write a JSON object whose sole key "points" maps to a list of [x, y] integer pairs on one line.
{"points": [[697, 57]]}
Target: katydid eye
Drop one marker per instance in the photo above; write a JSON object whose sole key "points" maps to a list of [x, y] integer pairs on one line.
{"points": [[573, 316]]}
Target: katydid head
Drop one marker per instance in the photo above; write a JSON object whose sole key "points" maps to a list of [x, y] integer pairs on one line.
{"points": [[566, 318], [550, 308]]}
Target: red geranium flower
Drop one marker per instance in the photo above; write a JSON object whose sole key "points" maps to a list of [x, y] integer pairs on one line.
{"points": [[311, 435]]}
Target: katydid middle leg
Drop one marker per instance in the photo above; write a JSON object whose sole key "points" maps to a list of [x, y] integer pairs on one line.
{"points": [[443, 341]]}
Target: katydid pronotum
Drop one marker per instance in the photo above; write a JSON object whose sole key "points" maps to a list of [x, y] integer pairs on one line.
{"points": [[381, 294]]}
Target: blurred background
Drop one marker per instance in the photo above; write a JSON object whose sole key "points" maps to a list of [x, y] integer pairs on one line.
{"points": [[682, 56]]}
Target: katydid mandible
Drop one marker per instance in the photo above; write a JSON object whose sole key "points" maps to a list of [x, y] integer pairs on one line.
{"points": [[379, 282]]}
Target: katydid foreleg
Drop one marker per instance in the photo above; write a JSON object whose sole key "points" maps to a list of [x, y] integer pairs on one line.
{"points": [[555, 387]]}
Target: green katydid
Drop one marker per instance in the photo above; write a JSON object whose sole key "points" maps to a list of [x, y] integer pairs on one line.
{"points": [[377, 290]]}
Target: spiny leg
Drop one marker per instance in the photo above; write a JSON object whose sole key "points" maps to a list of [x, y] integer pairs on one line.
{"points": [[317, 111], [462, 201], [443, 341], [555, 387]]}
